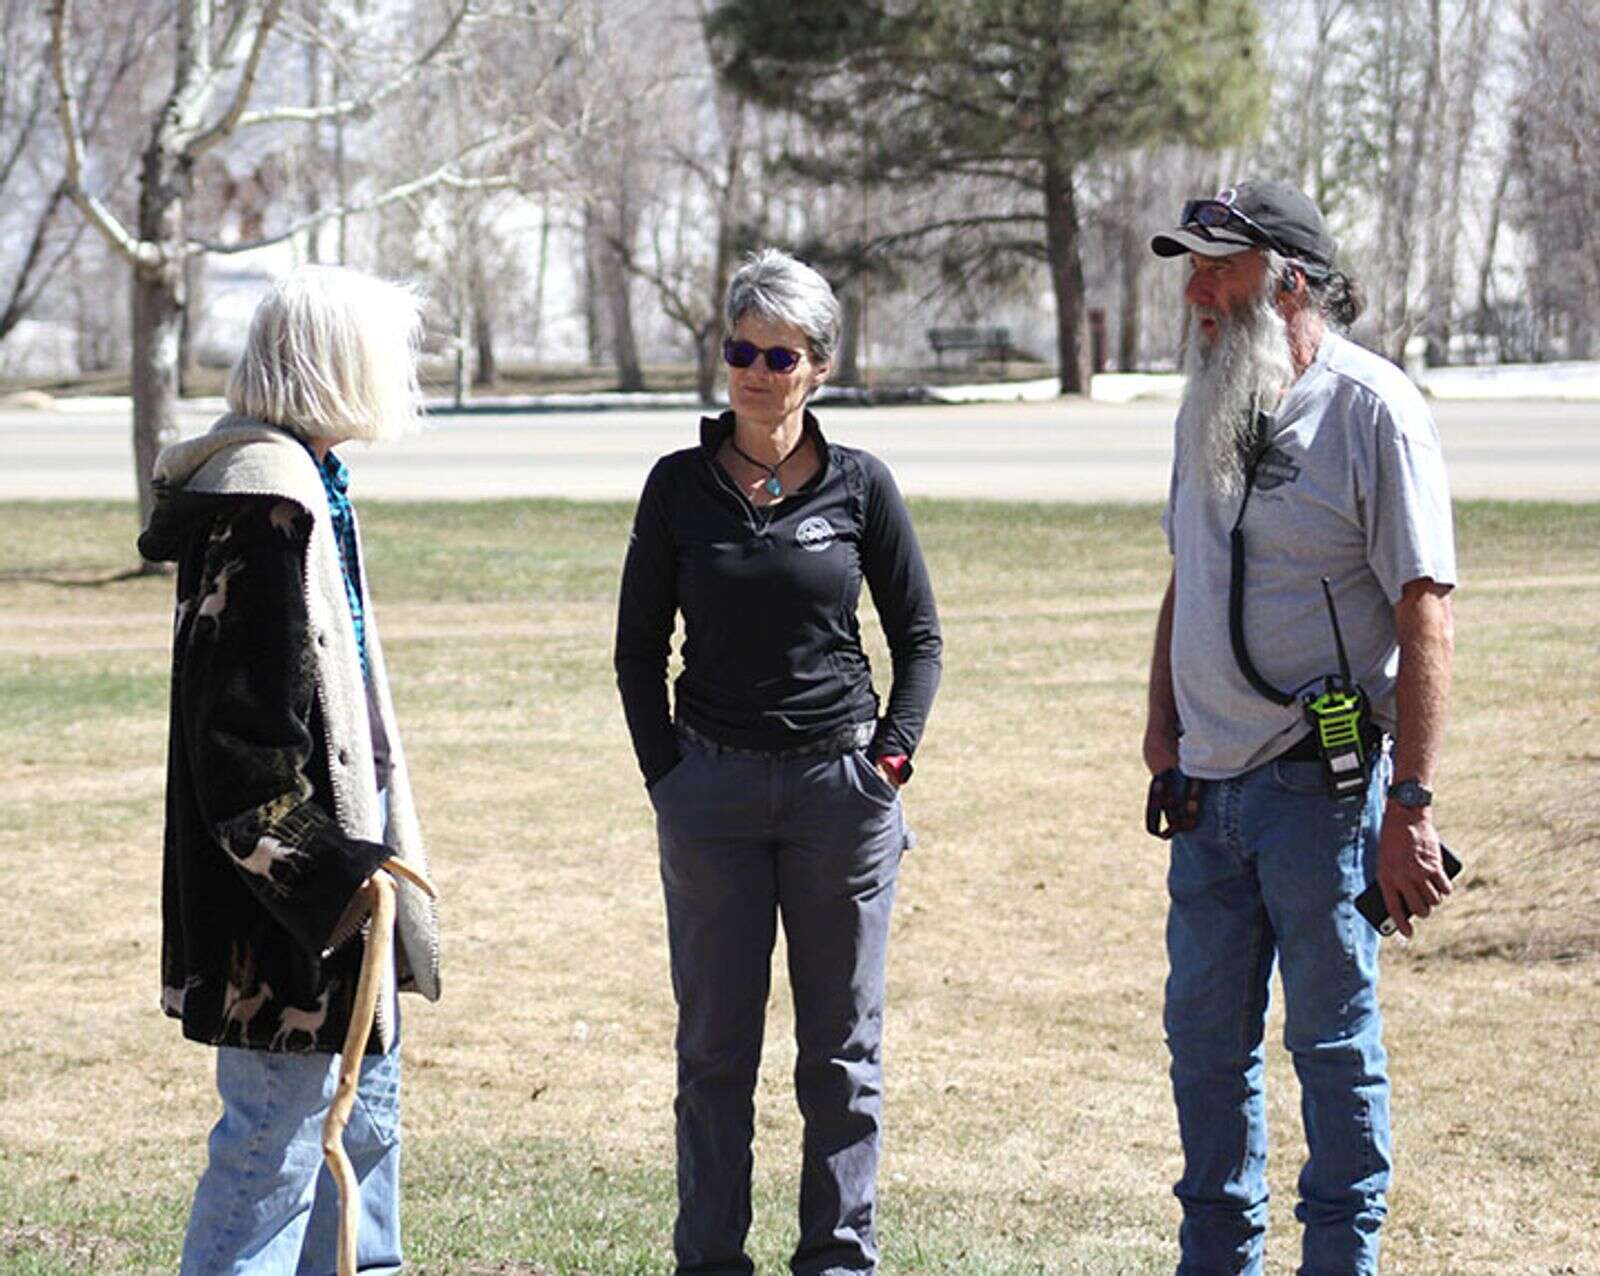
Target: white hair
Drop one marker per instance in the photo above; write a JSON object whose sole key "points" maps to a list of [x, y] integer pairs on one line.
{"points": [[332, 354], [1244, 369], [777, 287]]}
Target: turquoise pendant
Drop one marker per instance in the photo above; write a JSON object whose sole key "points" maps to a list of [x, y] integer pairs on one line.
{"points": [[772, 485]]}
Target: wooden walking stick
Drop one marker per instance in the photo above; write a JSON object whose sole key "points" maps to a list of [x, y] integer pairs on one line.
{"points": [[379, 892]]}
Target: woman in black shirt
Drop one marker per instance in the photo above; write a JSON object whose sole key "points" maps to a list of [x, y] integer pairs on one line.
{"points": [[774, 777]]}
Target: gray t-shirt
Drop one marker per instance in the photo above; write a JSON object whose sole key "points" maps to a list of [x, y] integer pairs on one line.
{"points": [[1352, 487]]}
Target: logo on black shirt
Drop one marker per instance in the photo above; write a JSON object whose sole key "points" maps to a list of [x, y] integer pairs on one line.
{"points": [[815, 534]]}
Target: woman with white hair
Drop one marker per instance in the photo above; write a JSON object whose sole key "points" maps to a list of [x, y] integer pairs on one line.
{"points": [[775, 777], [286, 783]]}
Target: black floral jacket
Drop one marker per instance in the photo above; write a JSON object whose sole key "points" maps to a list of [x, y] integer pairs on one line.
{"points": [[261, 931]]}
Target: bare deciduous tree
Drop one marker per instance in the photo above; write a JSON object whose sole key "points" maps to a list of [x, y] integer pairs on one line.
{"points": [[667, 184], [35, 193], [1463, 53], [1558, 111], [218, 54]]}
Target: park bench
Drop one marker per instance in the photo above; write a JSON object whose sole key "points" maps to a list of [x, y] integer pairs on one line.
{"points": [[983, 342]]}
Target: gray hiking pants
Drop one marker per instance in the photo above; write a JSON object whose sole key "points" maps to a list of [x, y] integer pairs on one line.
{"points": [[745, 839]]}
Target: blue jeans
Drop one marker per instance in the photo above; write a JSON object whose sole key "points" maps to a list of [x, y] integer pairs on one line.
{"points": [[815, 840], [1270, 875], [266, 1204]]}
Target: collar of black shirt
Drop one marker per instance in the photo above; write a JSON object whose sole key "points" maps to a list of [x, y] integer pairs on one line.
{"points": [[714, 429]]}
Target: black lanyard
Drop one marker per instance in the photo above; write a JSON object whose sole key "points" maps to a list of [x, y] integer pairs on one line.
{"points": [[1241, 652]]}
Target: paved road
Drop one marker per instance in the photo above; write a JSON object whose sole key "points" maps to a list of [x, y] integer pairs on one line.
{"points": [[1038, 451]]}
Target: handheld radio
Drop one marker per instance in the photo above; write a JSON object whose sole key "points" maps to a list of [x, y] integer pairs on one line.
{"points": [[1337, 715]]}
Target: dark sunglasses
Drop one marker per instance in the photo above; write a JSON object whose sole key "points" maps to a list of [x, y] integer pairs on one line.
{"points": [[741, 354], [1213, 214]]}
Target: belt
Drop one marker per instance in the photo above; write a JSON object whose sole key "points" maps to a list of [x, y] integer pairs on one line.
{"points": [[1305, 749], [856, 735]]}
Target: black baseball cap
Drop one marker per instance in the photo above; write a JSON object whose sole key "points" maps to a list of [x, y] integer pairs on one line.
{"points": [[1253, 214]]}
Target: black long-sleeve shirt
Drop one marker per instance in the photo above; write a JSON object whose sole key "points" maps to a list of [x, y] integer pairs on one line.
{"points": [[772, 652]]}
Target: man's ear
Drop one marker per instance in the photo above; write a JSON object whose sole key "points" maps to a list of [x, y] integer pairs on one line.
{"points": [[819, 373], [1292, 293]]}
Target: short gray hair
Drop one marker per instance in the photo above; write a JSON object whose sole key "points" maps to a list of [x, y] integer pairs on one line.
{"points": [[332, 354], [775, 286]]}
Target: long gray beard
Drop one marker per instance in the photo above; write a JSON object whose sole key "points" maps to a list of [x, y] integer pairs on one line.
{"points": [[1246, 368]]}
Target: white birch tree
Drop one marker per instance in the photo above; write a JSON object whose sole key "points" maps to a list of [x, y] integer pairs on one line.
{"points": [[218, 51], [37, 217]]}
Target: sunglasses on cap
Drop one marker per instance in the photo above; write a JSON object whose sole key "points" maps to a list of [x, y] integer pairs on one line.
{"points": [[1213, 214], [741, 354]]}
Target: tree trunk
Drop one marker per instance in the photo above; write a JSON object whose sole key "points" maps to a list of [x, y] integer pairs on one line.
{"points": [[312, 167], [1580, 337], [1134, 251], [1442, 269], [158, 304], [619, 305], [1062, 239], [707, 355], [1491, 240], [537, 335], [1409, 170], [341, 183], [730, 215], [487, 369], [483, 338], [194, 277], [157, 322], [463, 341], [1310, 127], [846, 364], [1452, 116], [591, 287]]}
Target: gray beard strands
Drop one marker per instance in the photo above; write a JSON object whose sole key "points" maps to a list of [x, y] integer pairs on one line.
{"points": [[1246, 366]]}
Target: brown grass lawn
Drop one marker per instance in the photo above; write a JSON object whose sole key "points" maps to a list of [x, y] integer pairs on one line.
{"points": [[1029, 1124]]}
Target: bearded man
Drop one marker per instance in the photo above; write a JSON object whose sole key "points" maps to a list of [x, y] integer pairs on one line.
{"points": [[1307, 478]]}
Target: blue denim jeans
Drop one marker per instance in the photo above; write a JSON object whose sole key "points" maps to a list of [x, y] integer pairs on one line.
{"points": [[266, 1204], [815, 840], [1270, 876]]}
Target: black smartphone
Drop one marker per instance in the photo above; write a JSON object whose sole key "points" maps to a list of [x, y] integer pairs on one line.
{"points": [[1370, 902]]}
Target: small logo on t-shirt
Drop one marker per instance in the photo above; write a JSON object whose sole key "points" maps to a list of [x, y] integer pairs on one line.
{"points": [[815, 534], [1275, 468]]}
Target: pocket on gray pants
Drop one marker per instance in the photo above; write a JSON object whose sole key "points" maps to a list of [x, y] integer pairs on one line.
{"points": [[662, 787], [869, 781]]}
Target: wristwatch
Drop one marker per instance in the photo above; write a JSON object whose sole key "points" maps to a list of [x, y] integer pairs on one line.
{"points": [[1411, 793], [897, 765]]}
